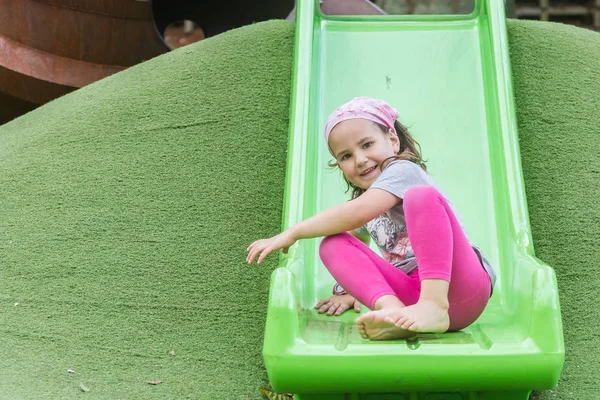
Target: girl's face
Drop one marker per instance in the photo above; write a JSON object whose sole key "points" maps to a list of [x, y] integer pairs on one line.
{"points": [[361, 150]]}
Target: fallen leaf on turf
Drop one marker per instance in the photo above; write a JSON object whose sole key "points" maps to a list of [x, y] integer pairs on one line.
{"points": [[275, 396], [83, 387], [154, 382]]}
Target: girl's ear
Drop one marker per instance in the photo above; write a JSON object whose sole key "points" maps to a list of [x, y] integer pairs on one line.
{"points": [[395, 141]]}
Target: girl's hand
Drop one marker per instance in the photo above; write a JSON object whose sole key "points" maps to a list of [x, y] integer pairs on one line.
{"points": [[337, 304], [263, 247]]}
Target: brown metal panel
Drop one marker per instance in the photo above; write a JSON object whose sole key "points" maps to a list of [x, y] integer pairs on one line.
{"points": [[98, 34], [49, 48], [30, 89], [50, 67], [128, 9]]}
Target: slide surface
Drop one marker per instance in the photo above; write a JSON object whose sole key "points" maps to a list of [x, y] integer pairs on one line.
{"points": [[449, 77]]}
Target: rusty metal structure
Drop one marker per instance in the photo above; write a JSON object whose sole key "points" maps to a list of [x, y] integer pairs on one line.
{"points": [[49, 48]]}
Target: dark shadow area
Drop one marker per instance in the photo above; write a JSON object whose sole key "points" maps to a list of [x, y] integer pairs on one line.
{"points": [[216, 16]]}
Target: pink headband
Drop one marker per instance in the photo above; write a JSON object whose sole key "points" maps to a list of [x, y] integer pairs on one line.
{"points": [[365, 108]]}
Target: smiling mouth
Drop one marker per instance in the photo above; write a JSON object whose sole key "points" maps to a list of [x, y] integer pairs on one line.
{"points": [[368, 171]]}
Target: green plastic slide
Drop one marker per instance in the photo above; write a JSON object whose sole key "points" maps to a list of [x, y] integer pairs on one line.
{"points": [[449, 77]]}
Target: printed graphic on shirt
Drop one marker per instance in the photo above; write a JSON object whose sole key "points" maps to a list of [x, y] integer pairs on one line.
{"points": [[392, 239]]}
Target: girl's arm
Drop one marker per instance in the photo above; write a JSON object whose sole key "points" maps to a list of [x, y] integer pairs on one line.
{"points": [[346, 216], [340, 218]]}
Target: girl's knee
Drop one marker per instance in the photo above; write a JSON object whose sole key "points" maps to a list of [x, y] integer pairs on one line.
{"points": [[420, 195], [330, 243]]}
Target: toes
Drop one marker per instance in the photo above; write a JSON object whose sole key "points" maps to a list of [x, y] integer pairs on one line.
{"points": [[413, 327], [393, 319], [400, 321], [407, 324], [362, 332]]}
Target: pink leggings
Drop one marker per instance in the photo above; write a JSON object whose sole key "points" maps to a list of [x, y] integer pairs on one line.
{"points": [[442, 251]]}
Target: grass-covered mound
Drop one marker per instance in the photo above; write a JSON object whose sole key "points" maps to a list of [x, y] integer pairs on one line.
{"points": [[126, 208], [556, 76], [125, 212]]}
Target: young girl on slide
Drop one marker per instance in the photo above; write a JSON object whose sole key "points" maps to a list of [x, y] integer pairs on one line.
{"points": [[431, 278]]}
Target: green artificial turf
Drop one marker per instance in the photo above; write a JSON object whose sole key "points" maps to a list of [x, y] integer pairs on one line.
{"points": [[556, 76], [125, 212], [126, 208]]}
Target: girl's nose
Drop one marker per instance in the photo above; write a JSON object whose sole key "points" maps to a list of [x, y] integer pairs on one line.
{"points": [[361, 159]]}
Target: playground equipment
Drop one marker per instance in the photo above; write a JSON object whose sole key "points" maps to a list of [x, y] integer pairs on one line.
{"points": [[50, 48], [449, 76]]}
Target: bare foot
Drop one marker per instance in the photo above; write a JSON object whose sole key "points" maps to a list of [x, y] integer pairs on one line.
{"points": [[373, 325], [425, 316]]}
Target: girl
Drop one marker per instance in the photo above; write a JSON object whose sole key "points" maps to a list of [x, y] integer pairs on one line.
{"points": [[431, 277]]}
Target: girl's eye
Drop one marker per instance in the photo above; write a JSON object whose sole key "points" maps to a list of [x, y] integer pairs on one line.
{"points": [[367, 145], [345, 157]]}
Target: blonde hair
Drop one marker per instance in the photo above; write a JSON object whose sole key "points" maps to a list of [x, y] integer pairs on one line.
{"points": [[410, 150]]}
